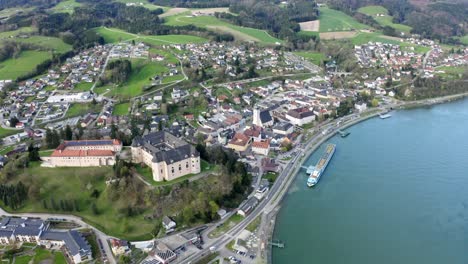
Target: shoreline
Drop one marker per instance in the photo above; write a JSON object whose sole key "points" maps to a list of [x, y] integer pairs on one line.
{"points": [[322, 139]]}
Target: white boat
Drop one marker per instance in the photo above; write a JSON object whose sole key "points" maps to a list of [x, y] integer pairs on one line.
{"points": [[321, 165]]}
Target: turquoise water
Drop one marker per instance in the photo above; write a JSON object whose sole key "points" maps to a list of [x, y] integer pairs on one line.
{"points": [[396, 191]]}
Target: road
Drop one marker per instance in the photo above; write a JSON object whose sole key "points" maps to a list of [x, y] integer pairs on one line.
{"points": [[99, 234]]}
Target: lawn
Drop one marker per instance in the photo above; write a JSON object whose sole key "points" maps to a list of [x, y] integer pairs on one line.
{"points": [[142, 71], [5, 150], [79, 109], [83, 87], [113, 35], [12, 11], [211, 22], [232, 221], [67, 6], [121, 109], [23, 259], [254, 224], [385, 20], [270, 176], [452, 72], [8, 132], [46, 153], [334, 20], [464, 39], [78, 184], [25, 63], [314, 57]]}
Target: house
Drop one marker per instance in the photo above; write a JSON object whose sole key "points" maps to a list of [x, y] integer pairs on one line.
{"points": [[168, 223], [15, 229], [84, 153], [300, 116], [119, 247], [262, 118], [163, 253], [261, 192], [360, 107], [239, 142], [283, 128], [168, 156], [269, 165], [3, 160], [261, 147], [248, 206], [75, 245]]}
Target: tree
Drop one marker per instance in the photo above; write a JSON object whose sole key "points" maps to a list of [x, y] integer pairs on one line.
{"points": [[94, 209], [68, 133], [13, 121], [374, 102], [33, 153], [156, 228], [114, 130]]}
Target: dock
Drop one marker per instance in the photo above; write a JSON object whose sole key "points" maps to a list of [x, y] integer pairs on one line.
{"points": [[276, 243], [343, 133]]}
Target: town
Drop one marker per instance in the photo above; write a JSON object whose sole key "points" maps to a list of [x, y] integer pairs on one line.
{"points": [[265, 110]]}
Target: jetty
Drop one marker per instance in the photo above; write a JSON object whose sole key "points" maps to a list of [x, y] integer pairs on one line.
{"points": [[343, 133], [276, 243]]}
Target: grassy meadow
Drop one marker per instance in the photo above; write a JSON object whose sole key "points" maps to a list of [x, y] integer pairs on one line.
{"points": [[25, 63], [334, 20], [385, 20]]}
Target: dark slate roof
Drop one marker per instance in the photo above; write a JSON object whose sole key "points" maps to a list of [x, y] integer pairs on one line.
{"points": [[6, 233], [22, 226], [74, 241], [265, 116], [283, 126], [165, 147]]}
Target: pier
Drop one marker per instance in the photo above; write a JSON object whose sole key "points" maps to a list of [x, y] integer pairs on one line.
{"points": [[343, 133], [276, 243]]}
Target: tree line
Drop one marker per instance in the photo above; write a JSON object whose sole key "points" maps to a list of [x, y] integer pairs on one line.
{"points": [[13, 195]]}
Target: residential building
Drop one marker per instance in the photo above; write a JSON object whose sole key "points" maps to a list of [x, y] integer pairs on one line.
{"points": [[168, 223], [119, 247], [248, 206], [84, 153], [239, 142], [283, 128], [360, 107], [75, 245], [261, 147], [262, 118], [300, 116], [168, 156]]}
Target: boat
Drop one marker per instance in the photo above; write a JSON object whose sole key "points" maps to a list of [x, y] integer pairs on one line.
{"points": [[384, 116], [322, 164], [310, 169]]}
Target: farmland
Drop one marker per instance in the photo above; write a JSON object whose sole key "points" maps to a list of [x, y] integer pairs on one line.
{"points": [[66, 6], [49, 43], [333, 20], [25, 63], [112, 35], [380, 14], [145, 4], [215, 24], [14, 33], [82, 109]]}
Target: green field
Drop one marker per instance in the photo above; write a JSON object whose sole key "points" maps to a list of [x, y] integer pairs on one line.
{"points": [[112, 35], [121, 109], [215, 24], [78, 184], [452, 72], [82, 109], [13, 33], [146, 4], [334, 20], [66, 6], [142, 71], [50, 43], [7, 132], [25, 63], [83, 86], [13, 11], [314, 57], [385, 20], [464, 39]]}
